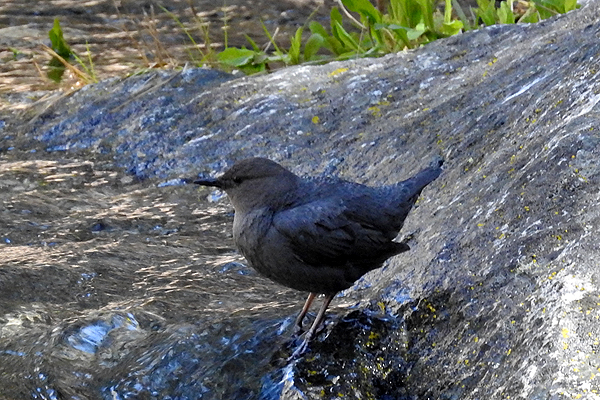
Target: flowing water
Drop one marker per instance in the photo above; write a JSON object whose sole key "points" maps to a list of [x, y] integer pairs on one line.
{"points": [[113, 288]]}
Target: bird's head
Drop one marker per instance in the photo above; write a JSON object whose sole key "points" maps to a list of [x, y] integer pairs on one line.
{"points": [[254, 182]]}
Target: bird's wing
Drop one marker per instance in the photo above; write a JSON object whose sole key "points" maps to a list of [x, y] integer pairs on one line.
{"points": [[326, 232]]}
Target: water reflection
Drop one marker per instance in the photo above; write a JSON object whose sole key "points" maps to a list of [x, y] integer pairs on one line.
{"points": [[112, 288]]}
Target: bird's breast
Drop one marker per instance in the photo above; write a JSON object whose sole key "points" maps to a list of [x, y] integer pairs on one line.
{"points": [[249, 230]]}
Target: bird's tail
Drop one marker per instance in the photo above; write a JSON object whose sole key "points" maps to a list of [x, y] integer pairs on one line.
{"points": [[409, 190], [429, 174]]}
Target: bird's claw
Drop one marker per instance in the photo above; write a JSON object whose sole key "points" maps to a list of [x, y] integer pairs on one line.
{"points": [[301, 349]]}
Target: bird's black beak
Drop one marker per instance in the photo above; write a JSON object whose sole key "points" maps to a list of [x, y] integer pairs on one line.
{"points": [[209, 182]]}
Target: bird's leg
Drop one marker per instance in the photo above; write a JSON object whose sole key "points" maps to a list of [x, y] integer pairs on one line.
{"points": [[302, 314], [313, 328]]}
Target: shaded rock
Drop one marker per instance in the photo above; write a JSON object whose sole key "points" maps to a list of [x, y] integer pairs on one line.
{"points": [[499, 297]]}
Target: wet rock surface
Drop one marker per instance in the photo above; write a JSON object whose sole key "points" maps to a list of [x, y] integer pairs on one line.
{"points": [[498, 297]]}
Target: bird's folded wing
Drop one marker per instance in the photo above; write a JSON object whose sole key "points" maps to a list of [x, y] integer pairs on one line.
{"points": [[325, 232]]}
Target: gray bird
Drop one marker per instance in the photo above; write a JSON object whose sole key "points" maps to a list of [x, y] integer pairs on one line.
{"points": [[317, 235]]}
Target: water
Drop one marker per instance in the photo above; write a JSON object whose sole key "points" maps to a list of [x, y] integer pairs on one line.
{"points": [[114, 288]]}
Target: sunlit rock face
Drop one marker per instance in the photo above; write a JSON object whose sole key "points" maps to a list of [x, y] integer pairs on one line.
{"points": [[497, 299]]}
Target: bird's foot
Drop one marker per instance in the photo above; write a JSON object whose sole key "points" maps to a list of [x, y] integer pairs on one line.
{"points": [[301, 349]]}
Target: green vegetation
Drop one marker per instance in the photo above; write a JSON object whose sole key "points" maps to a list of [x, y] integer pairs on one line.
{"points": [[356, 29], [61, 54], [256, 60], [61, 51], [407, 24], [208, 56], [526, 12]]}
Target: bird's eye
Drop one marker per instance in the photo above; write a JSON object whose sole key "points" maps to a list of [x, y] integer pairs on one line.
{"points": [[237, 180]]}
